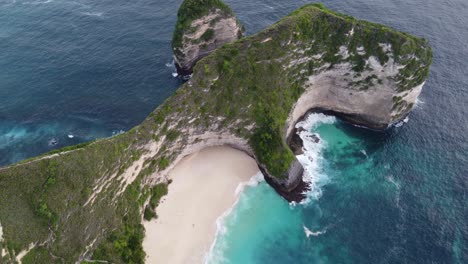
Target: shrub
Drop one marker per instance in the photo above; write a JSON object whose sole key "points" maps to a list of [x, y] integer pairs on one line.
{"points": [[208, 35], [172, 134], [149, 213], [163, 163]]}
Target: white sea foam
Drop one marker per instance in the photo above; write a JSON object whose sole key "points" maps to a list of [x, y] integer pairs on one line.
{"points": [[418, 103], [397, 185], [309, 233], [93, 14], [392, 180], [312, 159], [117, 132], [402, 122], [254, 181], [37, 2], [171, 65], [363, 151], [398, 124], [3, 253], [221, 229], [292, 205]]}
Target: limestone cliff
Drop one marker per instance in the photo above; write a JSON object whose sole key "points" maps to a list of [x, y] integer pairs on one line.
{"points": [[202, 26], [87, 201]]}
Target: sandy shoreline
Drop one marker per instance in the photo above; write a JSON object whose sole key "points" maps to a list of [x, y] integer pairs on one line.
{"points": [[203, 187]]}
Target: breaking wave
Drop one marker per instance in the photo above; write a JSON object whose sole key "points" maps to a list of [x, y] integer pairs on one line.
{"points": [[312, 159]]}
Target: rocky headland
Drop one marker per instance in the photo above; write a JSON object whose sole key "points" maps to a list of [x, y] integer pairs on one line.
{"points": [[87, 202], [202, 26]]}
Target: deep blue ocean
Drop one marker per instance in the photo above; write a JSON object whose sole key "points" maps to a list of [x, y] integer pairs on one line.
{"points": [[72, 71]]}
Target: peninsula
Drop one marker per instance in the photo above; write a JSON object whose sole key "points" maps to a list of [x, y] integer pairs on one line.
{"points": [[88, 202]]}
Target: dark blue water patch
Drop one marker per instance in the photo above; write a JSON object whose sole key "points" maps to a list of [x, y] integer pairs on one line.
{"points": [[90, 67], [392, 210]]}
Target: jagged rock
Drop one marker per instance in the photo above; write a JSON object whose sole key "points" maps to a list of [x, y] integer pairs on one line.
{"points": [[315, 138], [202, 26], [296, 143]]}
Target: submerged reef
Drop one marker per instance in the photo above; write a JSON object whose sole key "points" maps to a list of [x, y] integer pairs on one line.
{"points": [[87, 202]]}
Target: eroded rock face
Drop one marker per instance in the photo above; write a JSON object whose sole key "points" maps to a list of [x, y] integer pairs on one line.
{"points": [[370, 98], [204, 35]]}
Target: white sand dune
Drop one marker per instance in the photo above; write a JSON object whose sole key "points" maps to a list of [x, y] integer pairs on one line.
{"points": [[203, 187]]}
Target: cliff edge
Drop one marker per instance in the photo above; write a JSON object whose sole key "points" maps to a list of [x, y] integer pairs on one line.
{"points": [[87, 202]]}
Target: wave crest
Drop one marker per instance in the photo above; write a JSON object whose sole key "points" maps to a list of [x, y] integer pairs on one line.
{"points": [[312, 159]]}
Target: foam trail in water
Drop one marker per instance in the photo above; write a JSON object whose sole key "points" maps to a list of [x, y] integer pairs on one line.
{"points": [[220, 221], [36, 2], [312, 159], [419, 103], [363, 151], [309, 233], [93, 14], [397, 186]]}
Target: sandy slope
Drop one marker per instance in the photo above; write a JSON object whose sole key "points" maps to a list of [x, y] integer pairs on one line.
{"points": [[203, 188]]}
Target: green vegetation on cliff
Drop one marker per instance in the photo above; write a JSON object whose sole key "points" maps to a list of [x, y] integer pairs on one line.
{"points": [[333, 29], [194, 9], [253, 74], [88, 202]]}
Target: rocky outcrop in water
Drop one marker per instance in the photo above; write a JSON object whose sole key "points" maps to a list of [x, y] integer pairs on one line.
{"points": [[199, 33]]}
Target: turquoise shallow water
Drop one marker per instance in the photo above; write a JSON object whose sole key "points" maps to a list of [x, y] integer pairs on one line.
{"points": [[94, 68], [364, 208], [244, 230]]}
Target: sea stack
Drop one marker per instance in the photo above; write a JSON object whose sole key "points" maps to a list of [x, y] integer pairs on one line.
{"points": [[202, 26]]}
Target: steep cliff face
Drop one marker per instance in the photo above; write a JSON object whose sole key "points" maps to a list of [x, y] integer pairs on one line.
{"points": [[375, 96], [202, 26], [87, 202]]}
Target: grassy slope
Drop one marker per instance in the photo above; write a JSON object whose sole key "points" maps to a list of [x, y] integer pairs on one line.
{"points": [[43, 200]]}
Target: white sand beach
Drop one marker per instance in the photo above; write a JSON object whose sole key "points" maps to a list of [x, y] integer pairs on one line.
{"points": [[203, 187]]}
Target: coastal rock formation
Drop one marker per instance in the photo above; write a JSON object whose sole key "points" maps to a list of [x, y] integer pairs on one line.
{"points": [[202, 26], [87, 202]]}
